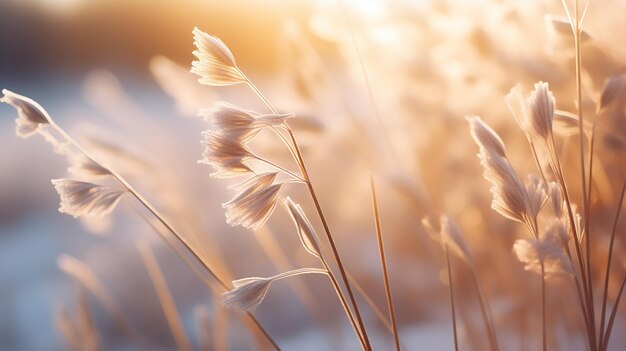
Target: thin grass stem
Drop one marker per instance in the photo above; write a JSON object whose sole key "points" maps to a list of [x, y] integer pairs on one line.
{"points": [[162, 220], [451, 293], [295, 176], [610, 256], [383, 261], [605, 341], [329, 236], [486, 313], [543, 308]]}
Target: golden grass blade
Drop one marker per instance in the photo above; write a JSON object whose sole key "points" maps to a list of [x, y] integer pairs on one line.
{"points": [[165, 297], [383, 260], [618, 210], [452, 305]]}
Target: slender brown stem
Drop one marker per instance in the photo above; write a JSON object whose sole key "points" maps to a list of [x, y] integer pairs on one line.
{"points": [[164, 222], [381, 316], [451, 290], [249, 319], [344, 303], [543, 308], [536, 157], [610, 256], [486, 313], [320, 213], [383, 261], [557, 169], [280, 168], [581, 142], [605, 341], [581, 301]]}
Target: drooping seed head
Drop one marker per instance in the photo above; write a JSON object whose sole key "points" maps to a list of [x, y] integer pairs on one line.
{"points": [[30, 114], [238, 124], [80, 198], [256, 202], [225, 154], [248, 293]]}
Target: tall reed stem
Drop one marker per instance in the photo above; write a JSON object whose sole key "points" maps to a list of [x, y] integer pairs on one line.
{"points": [[331, 241], [451, 290], [610, 256], [605, 341], [486, 313], [543, 308], [383, 260], [581, 142]]}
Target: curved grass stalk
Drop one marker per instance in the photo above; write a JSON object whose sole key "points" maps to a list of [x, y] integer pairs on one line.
{"points": [[379, 236], [361, 331], [159, 217]]}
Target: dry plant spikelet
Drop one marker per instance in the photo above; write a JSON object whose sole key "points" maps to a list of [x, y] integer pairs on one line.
{"points": [[30, 114], [225, 155], [510, 197], [453, 238], [216, 64], [253, 210], [449, 235], [541, 110], [255, 202], [548, 250], [305, 229], [248, 293], [486, 138], [79, 198], [239, 124]]}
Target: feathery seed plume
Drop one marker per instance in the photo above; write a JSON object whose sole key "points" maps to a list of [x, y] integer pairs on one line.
{"points": [[486, 138], [535, 251], [225, 155], [541, 110], [239, 124], [216, 64], [255, 204], [80, 198], [30, 114]]}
